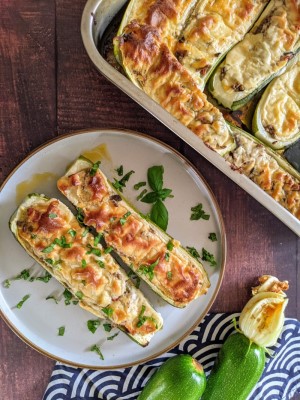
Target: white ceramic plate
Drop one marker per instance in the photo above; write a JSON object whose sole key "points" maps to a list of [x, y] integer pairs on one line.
{"points": [[38, 320]]}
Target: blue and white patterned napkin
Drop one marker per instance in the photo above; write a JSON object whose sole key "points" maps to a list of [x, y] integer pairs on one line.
{"points": [[280, 380]]}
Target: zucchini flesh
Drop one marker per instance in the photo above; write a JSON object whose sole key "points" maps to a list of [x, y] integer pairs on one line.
{"points": [[267, 169], [143, 246], [277, 117], [263, 54], [150, 64], [212, 30], [50, 233]]}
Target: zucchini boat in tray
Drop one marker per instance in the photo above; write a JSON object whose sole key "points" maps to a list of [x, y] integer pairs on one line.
{"points": [[260, 56], [153, 255], [50, 233], [267, 169], [150, 64], [277, 117], [213, 28]]}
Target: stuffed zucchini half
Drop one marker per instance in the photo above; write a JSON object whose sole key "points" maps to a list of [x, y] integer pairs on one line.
{"points": [[213, 28], [150, 64], [158, 259], [277, 117], [260, 56], [50, 233], [267, 169]]}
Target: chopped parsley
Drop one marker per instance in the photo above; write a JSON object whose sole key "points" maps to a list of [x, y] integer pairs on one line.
{"points": [[119, 185], [72, 232], [206, 256], [23, 275], [83, 263], [142, 194], [193, 252], [108, 250], [48, 249], [79, 294], [107, 327], [7, 283], [93, 325], [108, 311], [85, 232], [169, 275], [97, 239], [68, 297], [93, 250], [120, 170], [95, 168], [113, 336], [213, 237], [61, 331], [142, 318], [170, 245], [52, 262], [20, 304], [101, 264], [46, 278], [124, 218], [62, 242], [167, 256], [52, 298], [198, 213], [80, 216], [52, 215], [137, 186], [149, 269], [97, 350]]}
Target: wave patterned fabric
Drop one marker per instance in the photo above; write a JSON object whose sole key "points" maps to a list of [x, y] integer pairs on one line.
{"points": [[280, 380]]}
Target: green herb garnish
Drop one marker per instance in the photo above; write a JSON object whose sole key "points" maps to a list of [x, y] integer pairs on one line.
{"points": [[119, 185], [142, 318], [167, 256], [206, 256], [198, 213], [137, 186], [85, 232], [155, 177], [113, 336], [20, 304], [213, 237], [108, 311], [120, 170], [107, 327], [46, 278], [101, 264], [52, 215], [72, 232], [62, 242], [79, 294], [141, 195], [97, 350], [94, 168], [124, 218], [48, 249], [93, 325], [108, 250], [149, 269], [170, 245], [159, 215], [169, 275], [61, 331], [97, 239], [80, 216], [68, 297], [93, 250], [83, 263], [193, 252], [7, 283]]}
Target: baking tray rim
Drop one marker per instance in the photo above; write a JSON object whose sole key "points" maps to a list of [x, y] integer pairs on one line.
{"points": [[88, 27]]}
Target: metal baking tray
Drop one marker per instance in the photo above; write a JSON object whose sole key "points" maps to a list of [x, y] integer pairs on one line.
{"points": [[96, 17]]}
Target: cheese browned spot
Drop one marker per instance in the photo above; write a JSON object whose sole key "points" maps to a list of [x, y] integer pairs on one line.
{"points": [[141, 245], [42, 226], [150, 64]]}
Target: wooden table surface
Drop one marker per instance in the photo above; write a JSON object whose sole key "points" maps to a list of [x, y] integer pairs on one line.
{"points": [[49, 87]]}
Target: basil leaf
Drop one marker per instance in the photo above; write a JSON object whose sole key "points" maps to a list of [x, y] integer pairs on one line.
{"points": [[159, 215], [193, 252], [113, 336], [108, 311], [137, 186], [198, 213], [94, 168], [68, 296], [150, 197], [141, 195], [164, 193], [97, 350], [213, 237], [155, 177], [46, 278], [120, 170], [20, 304], [61, 331], [107, 327], [93, 325], [206, 256]]}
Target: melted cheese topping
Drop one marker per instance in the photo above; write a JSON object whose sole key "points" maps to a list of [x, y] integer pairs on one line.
{"points": [[263, 52], [251, 159], [214, 27], [176, 276], [280, 106], [150, 63], [51, 232]]}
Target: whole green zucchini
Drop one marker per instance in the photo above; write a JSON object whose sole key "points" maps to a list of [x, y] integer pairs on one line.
{"points": [[238, 368], [180, 377]]}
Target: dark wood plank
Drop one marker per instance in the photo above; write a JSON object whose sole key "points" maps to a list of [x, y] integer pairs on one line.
{"points": [[27, 119]]}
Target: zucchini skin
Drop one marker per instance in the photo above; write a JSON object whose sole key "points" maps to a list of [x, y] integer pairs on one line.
{"points": [[238, 368], [180, 377]]}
